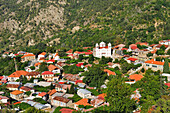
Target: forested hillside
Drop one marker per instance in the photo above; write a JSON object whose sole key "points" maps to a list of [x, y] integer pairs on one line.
{"points": [[76, 23]]}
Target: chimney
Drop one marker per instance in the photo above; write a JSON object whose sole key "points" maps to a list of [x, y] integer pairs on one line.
{"points": [[89, 101]]}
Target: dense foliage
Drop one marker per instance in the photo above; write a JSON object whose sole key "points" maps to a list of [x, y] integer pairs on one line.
{"points": [[112, 21], [118, 95], [95, 77]]}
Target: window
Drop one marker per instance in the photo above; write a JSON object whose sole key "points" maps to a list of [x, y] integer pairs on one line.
{"points": [[147, 64], [154, 66]]}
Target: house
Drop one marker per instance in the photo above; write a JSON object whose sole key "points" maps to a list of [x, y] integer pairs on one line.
{"points": [[62, 87], [42, 55], [84, 102], [56, 56], [43, 83], [131, 60], [40, 106], [164, 42], [61, 101], [34, 74], [66, 110], [47, 75], [25, 89], [27, 57], [50, 93], [50, 61], [16, 75], [69, 51], [30, 85], [71, 77], [42, 95], [17, 95], [97, 102], [37, 65], [109, 72], [132, 47], [136, 96], [13, 85], [135, 77], [102, 50], [113, 65], [4, 99], [54, 68], [84, 93], [154, 65]]}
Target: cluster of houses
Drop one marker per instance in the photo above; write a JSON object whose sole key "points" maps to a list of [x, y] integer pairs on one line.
{"points": [[56, 77]]}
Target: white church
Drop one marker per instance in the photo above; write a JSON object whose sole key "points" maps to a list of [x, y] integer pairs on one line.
{"points": [[102, 50]]}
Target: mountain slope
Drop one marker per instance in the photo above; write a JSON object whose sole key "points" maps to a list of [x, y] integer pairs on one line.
{"points": [[76, 23]]}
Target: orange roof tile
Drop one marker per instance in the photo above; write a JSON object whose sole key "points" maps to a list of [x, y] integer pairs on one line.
{"points": [[18, 73], [83, 101], [52, 67], [36, 64], [155, 62], [51, 92], [42, 94], [43, 53], [27, 55], [154, 51], [16, 92], [136, 77], [109, 72]]}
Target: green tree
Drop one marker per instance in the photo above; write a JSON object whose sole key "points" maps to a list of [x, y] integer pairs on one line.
{"points": [[149, 54], [91, 59], [72, 90], [43, 67], [32, 67], [95, 77], [163, 47], [168, 52], [118, 95], [166, 66], [80, 57]]}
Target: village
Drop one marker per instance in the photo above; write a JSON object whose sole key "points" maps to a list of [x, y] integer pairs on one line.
{"points": [[68, 83]]}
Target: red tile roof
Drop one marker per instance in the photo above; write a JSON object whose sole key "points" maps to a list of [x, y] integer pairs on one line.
{"points": [[132, 59], [109, 72], [66, 110], [17, 103], [42, 94], [51, 92], [1, 77], [79, 64], [43, 53], [18, 73], [52, 67], [28, 55], [36, 64], [124, 49], [25, 88], [83, 102], [16, 92], [47, 73], [136, 77], [62, 99], [155, 62], [168, 84], [12, 86]]}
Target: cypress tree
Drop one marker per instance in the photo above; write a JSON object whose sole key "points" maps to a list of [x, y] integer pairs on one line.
{"points": [[166, 66]]}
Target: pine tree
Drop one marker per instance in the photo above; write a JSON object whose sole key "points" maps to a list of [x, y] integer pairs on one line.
{"points": [[166, 66], [118, 96]]}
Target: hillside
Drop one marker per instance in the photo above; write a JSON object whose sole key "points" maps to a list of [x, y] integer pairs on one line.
{"points": [[75, 23]]}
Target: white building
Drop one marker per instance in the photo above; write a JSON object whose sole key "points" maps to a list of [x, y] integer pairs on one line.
{"points": [[102, 50], [165, 42], [84, 93]]}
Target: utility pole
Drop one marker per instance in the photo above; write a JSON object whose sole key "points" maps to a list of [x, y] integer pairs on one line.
{"points": [[16, 68]]}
